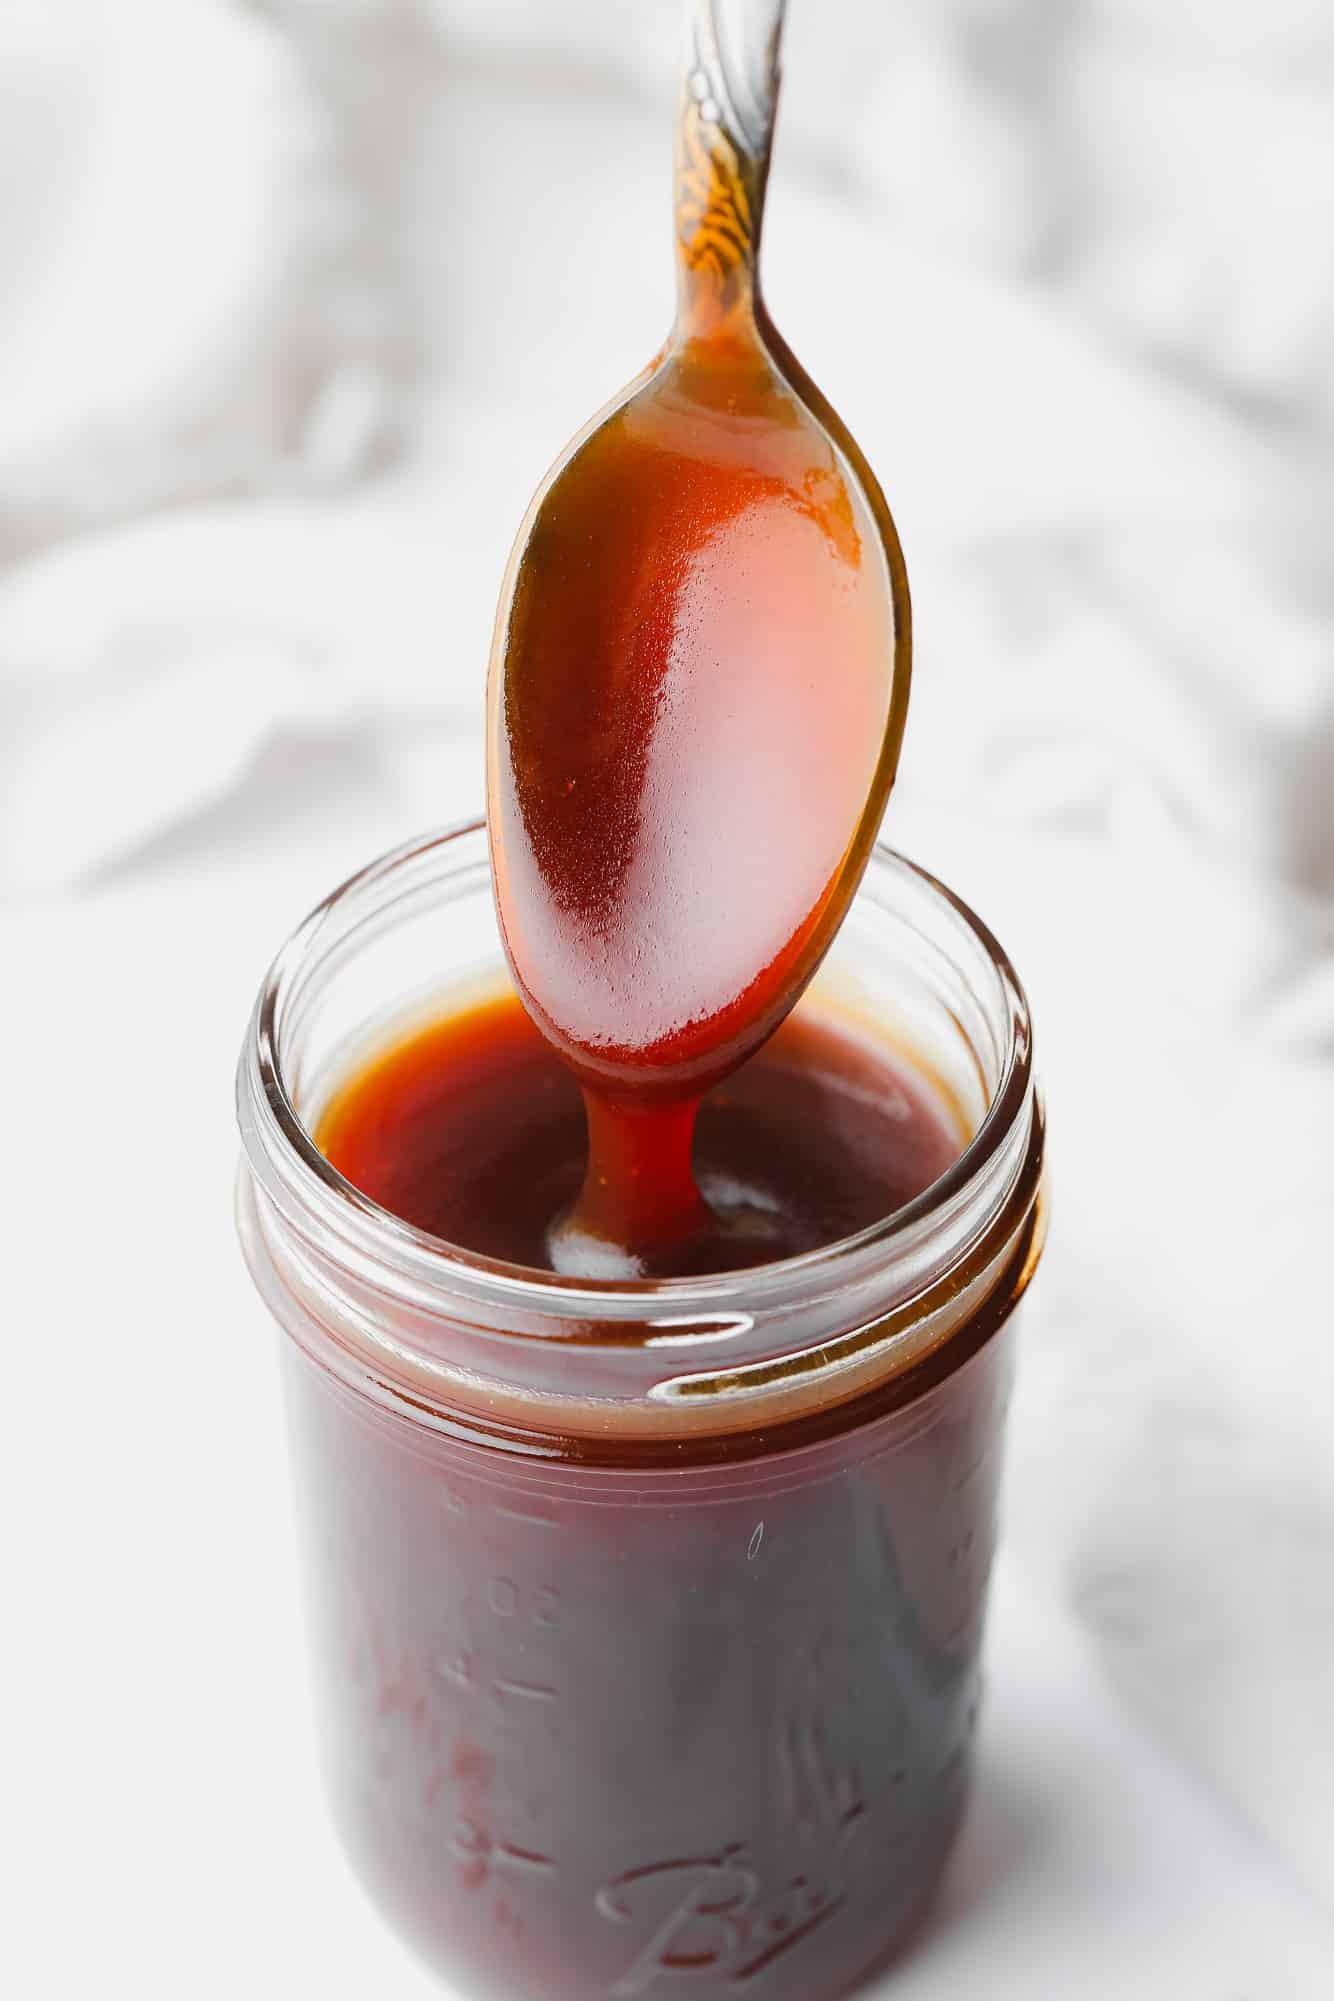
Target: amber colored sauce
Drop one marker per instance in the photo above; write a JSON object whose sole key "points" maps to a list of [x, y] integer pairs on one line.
{"points": [[473, 1129], [696, 703], [597, 1728], [695, 697], [607, 1726]]}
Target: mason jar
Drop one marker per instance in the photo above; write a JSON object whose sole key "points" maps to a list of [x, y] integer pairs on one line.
{"points": [[645, 1616]]}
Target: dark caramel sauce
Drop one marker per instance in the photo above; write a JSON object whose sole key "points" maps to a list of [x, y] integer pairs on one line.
{"points": [[473, 1129]]}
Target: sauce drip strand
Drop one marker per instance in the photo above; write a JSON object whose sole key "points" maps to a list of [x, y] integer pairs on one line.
{"points": [[697, 697]]}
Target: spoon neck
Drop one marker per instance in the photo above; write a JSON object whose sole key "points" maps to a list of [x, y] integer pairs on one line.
{"points": [[724, 134]]}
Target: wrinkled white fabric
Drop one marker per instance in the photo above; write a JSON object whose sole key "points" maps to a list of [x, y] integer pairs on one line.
{"points": [[300, 300]]}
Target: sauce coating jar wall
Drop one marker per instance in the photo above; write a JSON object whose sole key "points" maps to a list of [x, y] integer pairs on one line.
{"points": [[646, 1617]]}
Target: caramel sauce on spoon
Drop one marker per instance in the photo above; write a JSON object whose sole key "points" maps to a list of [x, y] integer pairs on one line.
{"points": [[697, 696]]}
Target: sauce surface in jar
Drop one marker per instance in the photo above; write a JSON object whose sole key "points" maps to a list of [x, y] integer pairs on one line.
{"points": [[473, 1129]]}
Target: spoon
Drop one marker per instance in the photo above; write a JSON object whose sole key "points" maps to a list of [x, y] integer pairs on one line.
{"points": [[697, 691]]}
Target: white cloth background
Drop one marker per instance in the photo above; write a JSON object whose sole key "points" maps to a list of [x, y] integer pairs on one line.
{"points": [[300, 300]]}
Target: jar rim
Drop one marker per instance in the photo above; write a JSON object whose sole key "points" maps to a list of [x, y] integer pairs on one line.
{"points": [[289, 1165]]}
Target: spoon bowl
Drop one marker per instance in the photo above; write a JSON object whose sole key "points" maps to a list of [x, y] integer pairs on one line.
{"points": [[696, 711]]}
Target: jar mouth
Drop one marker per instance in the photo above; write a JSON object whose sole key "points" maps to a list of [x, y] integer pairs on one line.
{"points": [[318, 1201]]}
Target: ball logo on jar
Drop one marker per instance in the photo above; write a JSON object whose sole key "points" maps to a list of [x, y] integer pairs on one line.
{"points": [[714, 1914]]}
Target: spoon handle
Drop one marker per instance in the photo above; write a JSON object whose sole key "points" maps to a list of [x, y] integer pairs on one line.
{"points": [[724, 133]]}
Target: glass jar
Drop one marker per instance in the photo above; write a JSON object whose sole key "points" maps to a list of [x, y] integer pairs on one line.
{"points": [[646, 1616]]}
